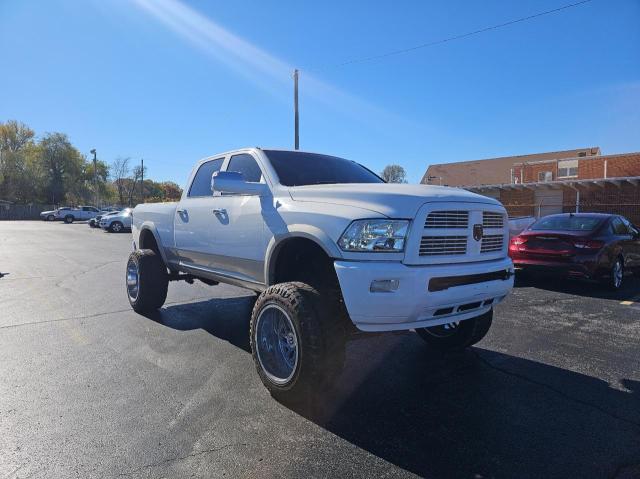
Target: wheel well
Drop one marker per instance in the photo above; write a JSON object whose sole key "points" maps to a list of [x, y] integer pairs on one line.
{"points": [[148, 241], [302, 259]]}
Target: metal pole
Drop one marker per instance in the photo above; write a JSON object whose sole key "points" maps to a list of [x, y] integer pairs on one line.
{"points": [[95, 178], [295, 111], [142, 180]]}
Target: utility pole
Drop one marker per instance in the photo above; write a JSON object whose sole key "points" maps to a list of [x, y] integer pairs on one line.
{"points": [[95, 178], [142, 180], [295, 110]]}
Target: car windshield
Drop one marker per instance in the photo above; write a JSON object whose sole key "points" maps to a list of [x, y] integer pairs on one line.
{"points": [[295, 168], [567, 223]]}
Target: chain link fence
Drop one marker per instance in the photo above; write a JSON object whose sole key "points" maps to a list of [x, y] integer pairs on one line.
{"points": [[538, 210], [23, 212]]}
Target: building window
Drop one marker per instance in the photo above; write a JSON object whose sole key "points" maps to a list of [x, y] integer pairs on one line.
{"points": [[545, 176], [567, 168], [582, 153]]}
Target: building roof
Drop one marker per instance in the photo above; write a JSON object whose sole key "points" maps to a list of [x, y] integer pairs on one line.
{"points": [[493, 170]]}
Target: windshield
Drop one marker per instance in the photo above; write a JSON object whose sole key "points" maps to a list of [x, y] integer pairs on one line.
{"points": [[295, 168], [567, 223]]}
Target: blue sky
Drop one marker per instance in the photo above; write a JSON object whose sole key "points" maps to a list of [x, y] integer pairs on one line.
{"points": [[173, 81]]}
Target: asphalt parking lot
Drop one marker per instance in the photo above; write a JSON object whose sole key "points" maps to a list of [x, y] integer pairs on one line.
{"points": [[91, 389]]}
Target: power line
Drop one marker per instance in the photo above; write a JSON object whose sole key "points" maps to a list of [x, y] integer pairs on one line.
{"points": [[456, 37]]}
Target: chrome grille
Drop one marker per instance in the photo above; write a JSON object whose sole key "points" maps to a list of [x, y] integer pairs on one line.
{"points": [[492, 220], [443, 245], [491, 243], [447, 219]]}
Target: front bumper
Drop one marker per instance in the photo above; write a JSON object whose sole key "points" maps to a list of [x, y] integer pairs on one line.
{"points": [[412, 305]]}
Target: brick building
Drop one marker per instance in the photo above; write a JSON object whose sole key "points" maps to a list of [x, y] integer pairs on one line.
{"points": [[548, 183]]}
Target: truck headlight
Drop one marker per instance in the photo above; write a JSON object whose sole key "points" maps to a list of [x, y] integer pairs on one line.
{"points": [[377, 236]]}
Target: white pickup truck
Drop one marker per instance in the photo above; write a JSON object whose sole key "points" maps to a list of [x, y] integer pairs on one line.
{"points": [[331, 249]]}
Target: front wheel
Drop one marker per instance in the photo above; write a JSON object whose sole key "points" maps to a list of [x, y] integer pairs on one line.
{"points": [[298, 346], [51, 218], [116, 227], [147, 281], [457, 335], [68, 219]]}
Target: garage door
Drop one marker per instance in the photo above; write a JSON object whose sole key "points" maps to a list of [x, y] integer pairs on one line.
{"points": [[548, 202]]}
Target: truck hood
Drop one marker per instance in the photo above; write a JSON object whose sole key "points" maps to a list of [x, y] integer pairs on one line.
{"points": [[389, 199]]}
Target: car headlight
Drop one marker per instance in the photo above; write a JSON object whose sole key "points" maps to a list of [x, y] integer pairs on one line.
{"points": [[377, 236]]}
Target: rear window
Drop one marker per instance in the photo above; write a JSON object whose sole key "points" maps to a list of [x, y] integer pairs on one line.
{"points": [[201, 185], [567, 223]]}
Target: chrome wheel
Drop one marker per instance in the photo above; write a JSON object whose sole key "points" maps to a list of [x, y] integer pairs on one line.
{"points": [[50, 218], [617, 274], [276, 344], [133, 280], [443, 330], [116, 227]]}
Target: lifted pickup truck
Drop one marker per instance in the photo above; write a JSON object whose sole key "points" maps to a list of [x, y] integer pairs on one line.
{"points": [[331, 249]]}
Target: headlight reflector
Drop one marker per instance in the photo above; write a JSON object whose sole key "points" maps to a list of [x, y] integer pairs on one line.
{"points": [[377, 236]]}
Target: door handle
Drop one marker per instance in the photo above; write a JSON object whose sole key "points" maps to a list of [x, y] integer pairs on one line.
{"points": [[181, 211], [219, 211]]}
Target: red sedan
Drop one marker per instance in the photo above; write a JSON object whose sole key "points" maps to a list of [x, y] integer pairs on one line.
{"points": [[580, 245]]}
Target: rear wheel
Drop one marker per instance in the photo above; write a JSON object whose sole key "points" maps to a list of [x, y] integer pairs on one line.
{"points": [[69, 219], [298, 346], [147, 281], [616, 275], [457, 335]]}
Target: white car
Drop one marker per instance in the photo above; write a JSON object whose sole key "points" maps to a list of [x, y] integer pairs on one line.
{"points": [[332, 249], [117, 222], [69, 215], [53, 215]]}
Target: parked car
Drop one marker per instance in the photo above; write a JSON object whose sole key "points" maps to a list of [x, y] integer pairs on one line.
{"points": [[53, 215], [81, 213], [579, 245], [519, 223], [95, 222], [118, 222], [331, 248]]}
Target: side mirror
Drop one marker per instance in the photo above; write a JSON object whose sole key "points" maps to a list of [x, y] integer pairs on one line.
{"points": [[233, 182]]}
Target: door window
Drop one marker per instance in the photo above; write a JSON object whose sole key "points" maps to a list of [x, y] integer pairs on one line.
{"points": [[619, 227], [631, 228], [201, 184], [247, 165]]}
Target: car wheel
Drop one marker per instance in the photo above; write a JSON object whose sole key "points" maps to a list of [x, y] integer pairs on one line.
{"points": [[69, 219], [116, 227], [457, 335], [147, 281], [615, 278], [51, 218], [296, 343]]}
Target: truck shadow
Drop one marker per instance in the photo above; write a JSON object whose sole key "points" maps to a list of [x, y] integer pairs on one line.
{"points": [[591, 289], [475, 414]]}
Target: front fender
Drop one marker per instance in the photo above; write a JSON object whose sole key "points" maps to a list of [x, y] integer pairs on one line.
{"points": [[309, 232]]}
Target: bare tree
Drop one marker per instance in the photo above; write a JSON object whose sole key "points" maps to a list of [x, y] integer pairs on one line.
{"points": [[132, 184], [120, 173], [394, 174]]}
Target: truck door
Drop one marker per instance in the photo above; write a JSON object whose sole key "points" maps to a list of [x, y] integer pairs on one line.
{"points": [[239, 238], [194, 219]]}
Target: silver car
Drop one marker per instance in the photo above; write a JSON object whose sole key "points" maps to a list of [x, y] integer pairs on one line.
{"points": [[118, 222]]}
